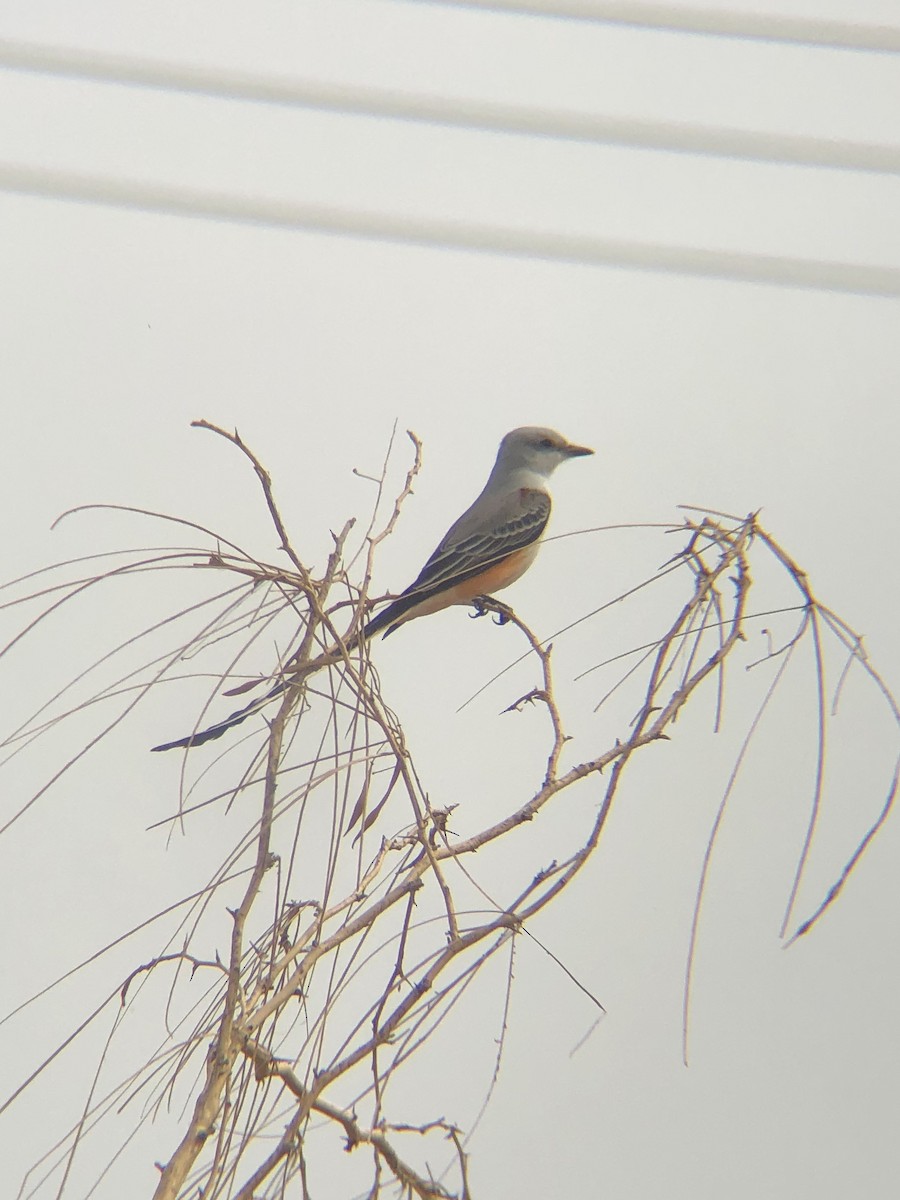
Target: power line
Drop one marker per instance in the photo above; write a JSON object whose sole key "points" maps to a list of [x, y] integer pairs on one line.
{"points": [[491, 117], [444, 234], [831, 35]]}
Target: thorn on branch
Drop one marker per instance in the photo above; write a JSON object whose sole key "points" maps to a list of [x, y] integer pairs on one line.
{"points": [[179, 956], [340, 538], [642, 715], [544, 873], [529, 698]]}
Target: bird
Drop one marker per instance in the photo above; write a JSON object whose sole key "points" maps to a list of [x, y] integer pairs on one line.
{"points": [[496, 539], [488, 548]]}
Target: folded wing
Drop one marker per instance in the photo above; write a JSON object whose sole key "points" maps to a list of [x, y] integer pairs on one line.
{"points": [[470, 548]]}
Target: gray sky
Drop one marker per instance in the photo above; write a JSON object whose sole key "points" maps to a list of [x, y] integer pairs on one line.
{"points": [[123, 325]]}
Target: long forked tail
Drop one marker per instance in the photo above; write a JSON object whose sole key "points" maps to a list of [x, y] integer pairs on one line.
{"points": [[385, 622], [229, 722], [293, 677]]}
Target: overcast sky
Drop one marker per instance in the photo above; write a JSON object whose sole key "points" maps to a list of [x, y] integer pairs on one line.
{"points": [[125, 318]]}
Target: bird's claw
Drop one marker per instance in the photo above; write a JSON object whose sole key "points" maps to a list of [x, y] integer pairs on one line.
{"points": [[487, 604]]}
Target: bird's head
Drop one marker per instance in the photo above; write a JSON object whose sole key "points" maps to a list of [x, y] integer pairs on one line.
{"points": [[536, 450]]}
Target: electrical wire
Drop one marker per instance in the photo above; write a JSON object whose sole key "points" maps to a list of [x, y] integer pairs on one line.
{"points": [[671, 18], [668, 136], [446, 234]]}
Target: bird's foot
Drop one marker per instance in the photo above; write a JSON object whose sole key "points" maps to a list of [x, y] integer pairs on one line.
{"points": [[487, 604]]}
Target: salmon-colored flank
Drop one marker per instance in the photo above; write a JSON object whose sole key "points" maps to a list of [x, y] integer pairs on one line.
{"points": [[498, 575]]}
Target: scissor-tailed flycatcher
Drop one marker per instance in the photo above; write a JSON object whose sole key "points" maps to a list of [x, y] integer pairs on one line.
{"points": [[492, 544], [496, 539]]}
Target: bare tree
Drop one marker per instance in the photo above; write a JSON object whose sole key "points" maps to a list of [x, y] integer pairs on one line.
{"points": [[355, 923]]}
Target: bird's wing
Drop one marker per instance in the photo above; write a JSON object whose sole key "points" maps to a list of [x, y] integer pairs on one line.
{"points": [[482, 537]]}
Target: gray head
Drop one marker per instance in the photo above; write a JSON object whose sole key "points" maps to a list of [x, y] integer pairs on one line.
{"points": [[533, 452]]}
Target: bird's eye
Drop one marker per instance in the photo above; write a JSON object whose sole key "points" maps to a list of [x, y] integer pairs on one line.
{"points": [[546, 443]]}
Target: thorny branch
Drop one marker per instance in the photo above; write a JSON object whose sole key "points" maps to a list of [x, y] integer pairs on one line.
{"points": [[320, 1002]]}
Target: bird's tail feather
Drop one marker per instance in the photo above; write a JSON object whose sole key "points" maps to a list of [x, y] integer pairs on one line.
{"points": [[216, 731]]}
